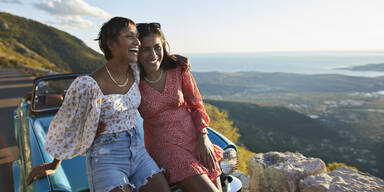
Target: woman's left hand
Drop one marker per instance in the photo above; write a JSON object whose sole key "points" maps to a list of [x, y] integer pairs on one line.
{"points": [[205, 152]]}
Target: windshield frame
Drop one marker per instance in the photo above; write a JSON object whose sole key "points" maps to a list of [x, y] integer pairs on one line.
{"points": [[36, 85]]}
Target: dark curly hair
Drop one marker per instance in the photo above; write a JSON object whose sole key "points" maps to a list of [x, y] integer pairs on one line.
{"points": [[110, 31]]}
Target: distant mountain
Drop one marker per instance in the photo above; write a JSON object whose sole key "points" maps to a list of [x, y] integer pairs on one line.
{"points": [[28, 42], [379, 67], [251, 83]]}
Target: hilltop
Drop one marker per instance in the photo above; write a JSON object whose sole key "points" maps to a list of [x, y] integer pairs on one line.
{"points": [[367, 67], [27, 42]]}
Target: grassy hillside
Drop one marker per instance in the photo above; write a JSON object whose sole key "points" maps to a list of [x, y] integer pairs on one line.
{"points": [[12, 54], [221, 123], [28, 42]]}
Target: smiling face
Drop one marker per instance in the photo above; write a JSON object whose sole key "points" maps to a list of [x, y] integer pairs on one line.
{"points": [[126, 45], [151, 53]]}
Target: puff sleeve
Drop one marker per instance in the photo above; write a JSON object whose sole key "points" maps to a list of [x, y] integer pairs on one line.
{"points": [[194, 102], [73, 129]]}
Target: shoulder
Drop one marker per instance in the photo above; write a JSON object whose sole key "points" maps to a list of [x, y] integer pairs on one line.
{"points": [[83, 80], [180, 69], [175, 72], [81, 85], [98, 75], [183, 71]]}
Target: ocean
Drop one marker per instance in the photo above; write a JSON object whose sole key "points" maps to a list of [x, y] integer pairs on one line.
{"points": [[289, 62]]}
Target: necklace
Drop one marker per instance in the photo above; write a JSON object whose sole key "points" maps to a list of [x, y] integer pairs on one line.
{"points": [[154, 81], [119, 85]]}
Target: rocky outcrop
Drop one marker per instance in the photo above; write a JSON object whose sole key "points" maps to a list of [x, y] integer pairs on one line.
{"points": [[25, 51], [3, 26], [293, 172], [22, 49], [274, 171], [342, 179]]}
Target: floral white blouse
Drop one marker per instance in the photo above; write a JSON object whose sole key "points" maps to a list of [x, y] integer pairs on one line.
{"points": [[74, 127]]}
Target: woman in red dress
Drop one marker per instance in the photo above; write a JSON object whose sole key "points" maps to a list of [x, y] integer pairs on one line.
{"points": [[175, 121]]}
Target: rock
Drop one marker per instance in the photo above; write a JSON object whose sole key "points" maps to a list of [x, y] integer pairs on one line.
{"points": [[280, 172], [318, 183], [24, 51], [243, 178], [342, 180], [20, 48], [3, 26]]}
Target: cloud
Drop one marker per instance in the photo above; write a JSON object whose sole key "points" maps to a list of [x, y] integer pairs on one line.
{"points": [[10, 1], [72, 7], [75, 22], [70, 13]]}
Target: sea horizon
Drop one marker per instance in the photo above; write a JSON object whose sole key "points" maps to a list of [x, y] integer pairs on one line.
{"points": [[299, 62]]}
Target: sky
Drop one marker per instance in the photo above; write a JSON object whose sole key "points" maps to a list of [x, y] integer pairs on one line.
{"points": [[224, 26]]}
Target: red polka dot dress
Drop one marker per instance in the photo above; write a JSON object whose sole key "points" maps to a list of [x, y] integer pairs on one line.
{"points": [[172, 119]]}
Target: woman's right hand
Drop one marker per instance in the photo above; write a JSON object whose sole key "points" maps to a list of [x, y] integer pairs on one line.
{"points": [[42, 170], [205, 151]]}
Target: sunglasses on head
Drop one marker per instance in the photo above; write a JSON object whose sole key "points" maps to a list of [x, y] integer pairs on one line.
{"points": [[147, 26]]}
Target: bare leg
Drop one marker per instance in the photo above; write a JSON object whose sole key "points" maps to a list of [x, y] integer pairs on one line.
{"points": [[156, 183], [198, 183], [125, 188]]}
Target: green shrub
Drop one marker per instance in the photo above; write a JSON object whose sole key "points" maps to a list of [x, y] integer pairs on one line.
{"points": [[333, 166]]}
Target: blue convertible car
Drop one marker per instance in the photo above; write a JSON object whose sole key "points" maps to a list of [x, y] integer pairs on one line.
{"points": [[32, 118]]}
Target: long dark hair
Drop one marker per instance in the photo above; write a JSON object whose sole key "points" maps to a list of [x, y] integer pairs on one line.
{"points": [[169, 61]]}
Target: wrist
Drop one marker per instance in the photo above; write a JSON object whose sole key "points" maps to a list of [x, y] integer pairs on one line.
{"points": [[204, 131], [55, 164]]}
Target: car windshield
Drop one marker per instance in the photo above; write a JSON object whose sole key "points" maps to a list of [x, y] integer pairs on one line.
{"points": [[49, 93]]}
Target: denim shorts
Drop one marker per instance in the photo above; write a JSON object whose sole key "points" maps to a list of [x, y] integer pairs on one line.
{"points": [[118, 159]]}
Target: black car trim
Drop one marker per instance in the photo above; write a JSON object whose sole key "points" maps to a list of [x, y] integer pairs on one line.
{"points": [[48, 77]]}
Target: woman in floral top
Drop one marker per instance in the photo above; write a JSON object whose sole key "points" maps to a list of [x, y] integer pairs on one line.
{"points": [[108, 98], [175, 121]]}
